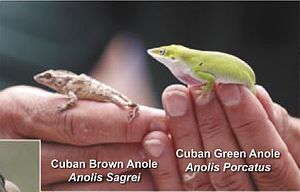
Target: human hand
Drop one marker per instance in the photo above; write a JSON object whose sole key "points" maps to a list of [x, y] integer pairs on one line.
{"points": [[90, 130], [231, 119]]}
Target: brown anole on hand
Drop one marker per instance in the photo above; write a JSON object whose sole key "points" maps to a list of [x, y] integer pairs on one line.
{"points": [[84, 87]]}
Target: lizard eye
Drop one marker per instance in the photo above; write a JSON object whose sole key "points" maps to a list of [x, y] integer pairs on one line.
{"points": [[47, 76], [59, 81], [200, 64], [162, 51]]}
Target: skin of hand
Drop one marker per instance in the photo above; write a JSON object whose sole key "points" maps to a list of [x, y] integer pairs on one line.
{"points": [[230, 118], [89, 130]]}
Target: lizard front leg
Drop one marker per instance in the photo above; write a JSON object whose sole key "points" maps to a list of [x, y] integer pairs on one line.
{"points": [[70, 103], [209, 81]]}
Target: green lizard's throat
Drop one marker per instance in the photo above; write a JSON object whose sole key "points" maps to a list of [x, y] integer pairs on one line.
{"points": [[183, 72]]}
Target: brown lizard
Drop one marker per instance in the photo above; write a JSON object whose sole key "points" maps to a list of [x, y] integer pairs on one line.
{"points": [[84, 87]]}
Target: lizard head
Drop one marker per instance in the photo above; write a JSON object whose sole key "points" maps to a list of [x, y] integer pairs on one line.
{"points": [[55, 79], [173, 55], [178, 59], [168, 54]]}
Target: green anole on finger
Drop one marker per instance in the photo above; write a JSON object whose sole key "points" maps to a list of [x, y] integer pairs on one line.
{"points": [[192, 66]]}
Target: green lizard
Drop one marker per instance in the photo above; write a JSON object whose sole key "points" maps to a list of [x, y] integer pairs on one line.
{"points": [[192, 66]]}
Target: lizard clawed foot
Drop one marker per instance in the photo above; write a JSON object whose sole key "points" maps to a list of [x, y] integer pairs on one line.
{"points": [[134, 109], [65, 106]]}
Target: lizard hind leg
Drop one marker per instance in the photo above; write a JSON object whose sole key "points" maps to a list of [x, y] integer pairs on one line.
{"points": [[126, 104]]}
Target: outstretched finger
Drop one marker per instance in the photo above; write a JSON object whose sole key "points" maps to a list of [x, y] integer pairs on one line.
{"points": [[185, 135], [287, 126], [33, 113]]}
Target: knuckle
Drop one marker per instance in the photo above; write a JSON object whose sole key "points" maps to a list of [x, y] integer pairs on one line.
{"points": [[278, 175], [129, 133], [184, 135], [73, 128], [284, 121], [93, 153], [163, 174], [281, 121], [228, 181], [285, 113], [204, 186], [12, 125], [11, 110], [199, 183], [250, 127], [68, 125], [211, 128]]}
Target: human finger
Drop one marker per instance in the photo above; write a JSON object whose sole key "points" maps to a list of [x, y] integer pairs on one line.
{"points": [[159, 149], [287, 126], [185, 135], [255, 132], [217, 137]]}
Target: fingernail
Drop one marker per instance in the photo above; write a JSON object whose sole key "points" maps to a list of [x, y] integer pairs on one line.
{"points": [[176, 104], [262, 90], [230, 95], [154, 147]]}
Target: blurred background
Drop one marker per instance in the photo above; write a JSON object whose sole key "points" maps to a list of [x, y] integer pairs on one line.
{"points": [[19, 163], [108, 40]]}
